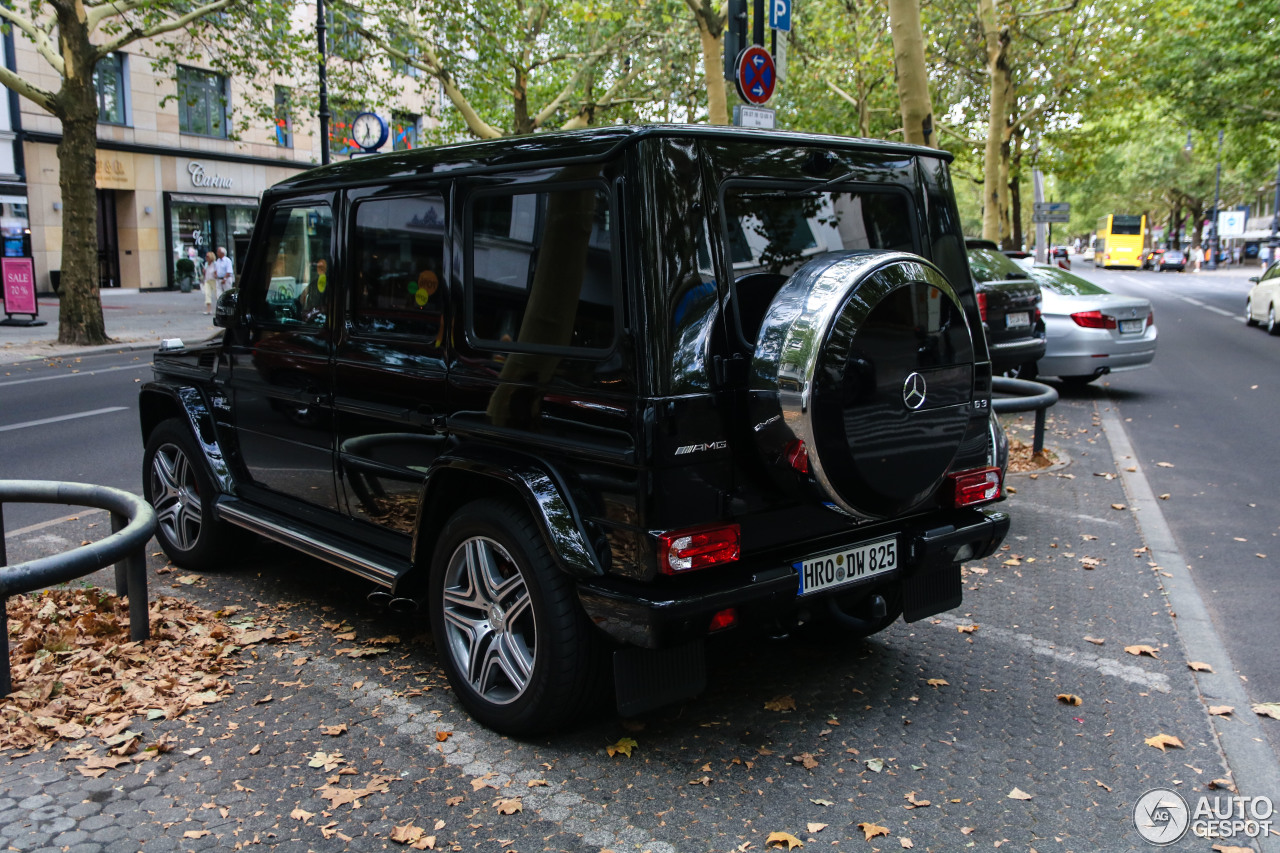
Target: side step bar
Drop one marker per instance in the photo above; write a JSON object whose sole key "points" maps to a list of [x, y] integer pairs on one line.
{"points": [[365, 563]]}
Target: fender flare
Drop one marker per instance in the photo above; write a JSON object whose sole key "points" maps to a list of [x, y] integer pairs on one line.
{"points": [[191, 402], [541, 491]]}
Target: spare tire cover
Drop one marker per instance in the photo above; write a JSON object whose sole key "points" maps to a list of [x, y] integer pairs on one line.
{"points": [[867, 358]]}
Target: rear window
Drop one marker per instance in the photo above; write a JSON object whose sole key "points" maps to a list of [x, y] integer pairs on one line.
{"points": [[1126, 225], [993, 265], [1064, 283]]}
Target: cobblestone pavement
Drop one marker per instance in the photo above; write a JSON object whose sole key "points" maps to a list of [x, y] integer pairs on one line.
{"points": [[921, 712]]}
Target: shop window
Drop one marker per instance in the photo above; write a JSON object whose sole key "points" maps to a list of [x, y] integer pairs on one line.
{"points": [[398, 261], [404, 131], [283, 118], [202, 102], [112, 86], [542, 269], [293, 285]]}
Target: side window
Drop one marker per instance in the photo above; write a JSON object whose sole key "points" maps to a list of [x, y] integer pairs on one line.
{"points": [[295, 267], [541, 271], [397, 252]]}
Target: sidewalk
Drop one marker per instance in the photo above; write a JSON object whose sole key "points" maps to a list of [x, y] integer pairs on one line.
{"points": [[950, 732], [135, 319]]}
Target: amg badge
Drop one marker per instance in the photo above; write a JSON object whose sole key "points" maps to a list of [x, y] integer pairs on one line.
{"points": [[698, 448]]}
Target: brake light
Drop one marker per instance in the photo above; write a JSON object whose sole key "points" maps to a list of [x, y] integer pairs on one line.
{"points": [[699, 548], [1094, 320], [1151, 319], [977, 486], [797, 456], [982, 305]]}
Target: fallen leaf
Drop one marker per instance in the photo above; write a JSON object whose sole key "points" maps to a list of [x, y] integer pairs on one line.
{"points": [[822, 802], [195, 833], [871, 830], [1225, 784], [482, 782], [509, 806], [1161, 741], [328, 760], [1106, 788], [704, 781], [441, 737], [1070, 699], [301, 814], [1141, 650], [1229, 848], [453, 801], [913, 803], [1097, 641], [938, 682], [1220, 710], [806, 759], [1018, 794], [1164, 496], [906, 843], [966, 629], [1267, 709], [968, 830], [1199, 666], [816, 827], [875, 765], [781, 838], [1118, 506], [406, 834], [189, 580], [1164, 464], [622, 747], [333, 731], [780, 703], [538, 783]]}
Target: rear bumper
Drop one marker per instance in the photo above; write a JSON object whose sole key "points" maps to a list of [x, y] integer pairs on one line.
{"points": [[928, 574], [1006, 355]]}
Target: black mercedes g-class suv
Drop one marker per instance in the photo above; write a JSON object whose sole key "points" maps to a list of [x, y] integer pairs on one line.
{"points": [[588, 398]]}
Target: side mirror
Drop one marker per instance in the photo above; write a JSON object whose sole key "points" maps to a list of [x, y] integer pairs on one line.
{"points": [[1253, 278], [224, 313]]}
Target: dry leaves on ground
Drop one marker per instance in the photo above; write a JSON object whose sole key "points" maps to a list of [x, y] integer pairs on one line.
{"points": [[1220, 710], [1069, 699], [509, 805], [77, 674], [1149, 651], [871, 830], [780, 839], [1021, 458], [379, 784], [780, 703], [622, 747], [1018, 794], [1199, 666], [1267, 709], [1162, 741]]}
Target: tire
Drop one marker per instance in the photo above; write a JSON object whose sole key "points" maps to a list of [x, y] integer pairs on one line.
{"points": [[177, 483], [1248, 313], [533, 668], [1273, 325]]}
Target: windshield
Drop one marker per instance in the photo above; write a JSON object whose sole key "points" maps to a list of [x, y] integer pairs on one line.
{"points": [[1064, 283], [993, 265]]}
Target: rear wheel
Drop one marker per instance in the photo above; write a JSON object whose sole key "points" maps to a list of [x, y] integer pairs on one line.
{"points": [[1248, 313], [177, 483], [516, 647], [1273, 327]]}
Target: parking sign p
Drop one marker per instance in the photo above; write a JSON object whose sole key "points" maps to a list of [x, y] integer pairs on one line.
{"points": [[780, 14]]}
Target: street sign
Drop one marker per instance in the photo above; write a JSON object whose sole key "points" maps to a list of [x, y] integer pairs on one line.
{"points": [[1231, 223], [753, 117], [1051, 207], [1049, 216], [780, 15], [756, 75]]}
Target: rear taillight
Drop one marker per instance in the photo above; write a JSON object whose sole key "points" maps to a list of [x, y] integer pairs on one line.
{"points": [[1094, 320], [977, 486], [797, 456], [1151, 319], [982, 306], [699, 548]]}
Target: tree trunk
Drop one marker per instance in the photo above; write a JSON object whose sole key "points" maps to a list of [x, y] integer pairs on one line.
{"points": [[1015, 209], [997, 45], [80, 310], [909, 68], [1006, 230], [712, 69]]}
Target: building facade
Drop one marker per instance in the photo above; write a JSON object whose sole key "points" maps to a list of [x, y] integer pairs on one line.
{"points": [[171, 181]]}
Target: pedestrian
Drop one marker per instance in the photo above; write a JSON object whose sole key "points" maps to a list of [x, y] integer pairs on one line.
{"points": [[225, 271], [1196, 254], [210, 282], [1235, 255]]}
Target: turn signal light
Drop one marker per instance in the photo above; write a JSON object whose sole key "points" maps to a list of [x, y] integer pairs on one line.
{"points": [[977, 486], [1094, 320], [726, 618], [700, 548]]}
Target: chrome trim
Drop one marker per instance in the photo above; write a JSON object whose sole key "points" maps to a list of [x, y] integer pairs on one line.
{"points": [[202, 428]]}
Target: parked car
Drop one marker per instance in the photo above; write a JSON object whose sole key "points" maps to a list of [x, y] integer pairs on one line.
{"points": [[1263, 302], [1171, 259], [1150, 257], [1010, 306], [1090, 331], [588, 399]]}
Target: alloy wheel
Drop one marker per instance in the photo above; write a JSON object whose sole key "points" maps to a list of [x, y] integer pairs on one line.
{"points": [[489, 620], [175, 494]]}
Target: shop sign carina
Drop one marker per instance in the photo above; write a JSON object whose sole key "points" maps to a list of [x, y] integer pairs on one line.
{"points": [[199, 178]]}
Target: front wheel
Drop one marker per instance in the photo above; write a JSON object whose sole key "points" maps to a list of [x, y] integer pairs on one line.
{"points": [[1248, 313], [177, 483], [516, 647]]}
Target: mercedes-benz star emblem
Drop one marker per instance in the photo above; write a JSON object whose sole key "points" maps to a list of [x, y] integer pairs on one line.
{"points": [[913, 391]]}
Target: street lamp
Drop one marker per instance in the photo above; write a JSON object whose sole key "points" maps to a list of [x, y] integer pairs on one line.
{"points": [[1213, 222], [1275, 219], [324, 91]]}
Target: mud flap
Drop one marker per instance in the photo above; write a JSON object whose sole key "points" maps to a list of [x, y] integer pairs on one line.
{"points": [[644, 679]]}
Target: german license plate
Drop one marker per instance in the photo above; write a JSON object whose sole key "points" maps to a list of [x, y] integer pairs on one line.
{"points": [[845, 567], [1017, 319], [1128, 327]]}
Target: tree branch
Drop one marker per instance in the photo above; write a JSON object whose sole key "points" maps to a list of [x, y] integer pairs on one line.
{"points": [[160, 29], [43, 44], [37, 96]]}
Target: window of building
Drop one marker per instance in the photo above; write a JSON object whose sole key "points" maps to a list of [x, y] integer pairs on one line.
{"points": [[404, 131], [542, 272], [342, 114], [344, 35], [398, 260], [296, 267], [283, 118], [202, 102], [405, 43], [113, 89]]}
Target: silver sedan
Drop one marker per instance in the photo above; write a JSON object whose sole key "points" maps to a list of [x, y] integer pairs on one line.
{"points": [[1089, 331]]}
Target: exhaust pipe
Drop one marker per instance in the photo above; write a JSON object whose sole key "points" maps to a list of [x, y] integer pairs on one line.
{"points": [[403, 605]]}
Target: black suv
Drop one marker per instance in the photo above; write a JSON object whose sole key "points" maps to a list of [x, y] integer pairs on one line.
{"points": [[587, 399], [1010, 304]]}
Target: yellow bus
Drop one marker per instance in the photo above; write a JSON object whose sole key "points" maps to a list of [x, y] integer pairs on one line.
{"points": [[1120, 241]]}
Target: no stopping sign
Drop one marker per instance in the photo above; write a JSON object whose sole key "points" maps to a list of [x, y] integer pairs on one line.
{"points": [[756, 75]]}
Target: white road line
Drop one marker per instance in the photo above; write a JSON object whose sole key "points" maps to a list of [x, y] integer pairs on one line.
{"points": [[1243, 742], [138, 366], [1233, 315], [53, 522], [43, 421]]}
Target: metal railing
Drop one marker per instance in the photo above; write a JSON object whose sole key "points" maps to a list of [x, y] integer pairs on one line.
{"points": [[133, 522], [1027, 396]]}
